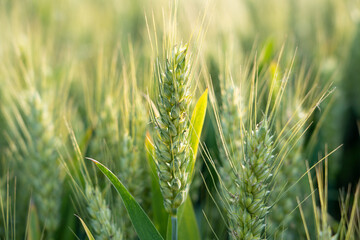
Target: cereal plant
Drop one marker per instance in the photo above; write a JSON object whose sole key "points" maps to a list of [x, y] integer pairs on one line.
{"points": [[179, 120]]}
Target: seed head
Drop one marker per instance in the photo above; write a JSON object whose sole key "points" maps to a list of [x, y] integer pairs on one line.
{"points": [[247, 206], [172, 128], [100, 215]]}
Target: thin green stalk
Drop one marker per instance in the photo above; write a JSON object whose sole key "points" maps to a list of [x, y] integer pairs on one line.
{"points": [[174, 228]]}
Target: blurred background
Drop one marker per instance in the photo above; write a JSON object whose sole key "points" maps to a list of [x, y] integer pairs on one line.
{"points": [[64, 48]]}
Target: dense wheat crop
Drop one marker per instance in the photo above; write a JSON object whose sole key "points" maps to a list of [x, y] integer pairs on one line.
{"points": [[186, 120]]}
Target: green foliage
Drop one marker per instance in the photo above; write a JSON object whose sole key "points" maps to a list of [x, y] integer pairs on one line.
{"points": [[88, 233], [196, 126], [188, 227], [143, 225]]}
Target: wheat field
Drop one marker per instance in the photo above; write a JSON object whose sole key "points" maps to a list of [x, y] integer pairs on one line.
{"points": [[186, 120]]}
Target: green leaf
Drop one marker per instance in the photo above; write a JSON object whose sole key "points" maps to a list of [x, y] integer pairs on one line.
{"points": [[266, 54], [169, 230], [188, 227], [33, 226], [87, 231], [141, 222], [67, 217], [197, 122]]}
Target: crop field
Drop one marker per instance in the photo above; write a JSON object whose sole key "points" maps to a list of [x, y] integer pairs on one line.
{"points": [[179, 120]]}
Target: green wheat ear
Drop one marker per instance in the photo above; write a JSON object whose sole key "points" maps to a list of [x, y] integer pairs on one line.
{"points": [[231, 120], [100, 215], [131, 173], [106, 130], [34, 144], [247, 206], [172, 128]]}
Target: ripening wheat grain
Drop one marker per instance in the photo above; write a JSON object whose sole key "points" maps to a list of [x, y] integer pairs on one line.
{"points": [[132, 173], [172, 128]]}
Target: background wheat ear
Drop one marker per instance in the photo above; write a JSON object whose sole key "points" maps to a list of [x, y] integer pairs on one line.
{"points": [[130, 163], [100, 215], [92, 198], [248, 206], [34, 145], [251, 170], [232, 112], [247, 152]]}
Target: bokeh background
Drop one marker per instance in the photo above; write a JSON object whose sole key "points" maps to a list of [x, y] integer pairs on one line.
{"points": [[64, 48]]}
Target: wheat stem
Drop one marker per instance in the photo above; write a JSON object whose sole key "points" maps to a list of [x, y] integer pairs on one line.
{"points": [[174, 227]]}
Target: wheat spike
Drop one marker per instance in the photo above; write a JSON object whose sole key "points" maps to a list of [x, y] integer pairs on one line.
{"points": [[100, 215], [172, 128], [34, 144], [247, 206]]}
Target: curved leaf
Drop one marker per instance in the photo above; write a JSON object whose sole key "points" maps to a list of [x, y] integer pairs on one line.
{"points": [[33, 226], [141, 222], [196, 125], [188, 227]]}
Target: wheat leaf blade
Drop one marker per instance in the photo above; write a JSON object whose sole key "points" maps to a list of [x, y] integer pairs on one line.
{"points": [[197, 122], [188, 227], [34, 231], [141, 222]]}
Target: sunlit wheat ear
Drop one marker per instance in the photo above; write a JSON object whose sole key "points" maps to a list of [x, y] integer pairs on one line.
{"points": [[172, 127], [247, 207], [34, 144], [100, 215]]}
